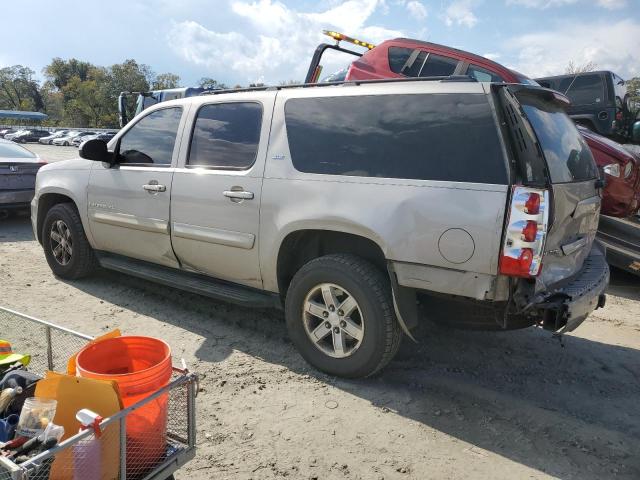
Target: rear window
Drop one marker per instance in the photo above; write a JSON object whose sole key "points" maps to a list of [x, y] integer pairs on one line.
{"points": [[438, 66], [584, 89], [567, 154], [8, 150], [398, 56], [448, 137]]}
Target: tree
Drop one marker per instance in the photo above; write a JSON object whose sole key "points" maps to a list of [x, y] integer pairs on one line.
{"points": [[166, 80], [18, 89], [60, 71], [573, 67], [210, 83]]}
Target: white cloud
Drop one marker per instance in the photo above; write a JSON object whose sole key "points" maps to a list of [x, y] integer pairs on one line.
{"points": [[417, 9], [612, 4], [280, 41], [542, 4], [492, 56], [606, 44], [460, 12]]}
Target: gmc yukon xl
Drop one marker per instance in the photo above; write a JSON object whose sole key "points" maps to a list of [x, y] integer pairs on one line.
{"points": [[359, 208]]}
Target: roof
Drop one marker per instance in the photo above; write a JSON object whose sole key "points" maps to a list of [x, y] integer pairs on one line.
{"points": [[22, 115]]}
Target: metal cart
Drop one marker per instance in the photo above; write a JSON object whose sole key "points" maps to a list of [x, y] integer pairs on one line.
{"points": [[50, 347]]}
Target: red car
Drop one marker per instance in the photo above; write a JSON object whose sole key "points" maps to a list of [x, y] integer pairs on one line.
{"points": [[403, 57]]}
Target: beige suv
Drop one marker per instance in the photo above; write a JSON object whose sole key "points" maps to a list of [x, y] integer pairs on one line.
{"points": [[359, 208]]}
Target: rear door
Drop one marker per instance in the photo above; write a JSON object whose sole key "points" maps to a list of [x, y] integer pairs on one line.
{"points": [[575, 200], [215, 202]]}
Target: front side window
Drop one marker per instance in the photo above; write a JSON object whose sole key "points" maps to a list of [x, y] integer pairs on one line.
{"points": [[447, 137], [226, 136], [151, 140], [483, 75], [567, 154], [438, 66]]}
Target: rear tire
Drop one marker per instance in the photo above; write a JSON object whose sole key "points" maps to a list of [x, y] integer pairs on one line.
{"points": [[370, 316], [65, 244]]}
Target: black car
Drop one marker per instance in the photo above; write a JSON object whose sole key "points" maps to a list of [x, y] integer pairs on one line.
{"points": [[599, 101], [30, 136]]}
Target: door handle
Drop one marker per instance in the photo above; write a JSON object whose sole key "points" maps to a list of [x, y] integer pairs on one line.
{"points": [[240, 195], [154, 188]]}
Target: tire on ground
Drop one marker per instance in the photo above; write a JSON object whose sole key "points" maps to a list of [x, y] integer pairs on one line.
{"points": [[372, 291], [83, 260]]}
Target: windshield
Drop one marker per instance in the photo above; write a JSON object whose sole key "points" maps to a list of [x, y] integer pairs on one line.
{"points": [[567, 154], [9, 150]]}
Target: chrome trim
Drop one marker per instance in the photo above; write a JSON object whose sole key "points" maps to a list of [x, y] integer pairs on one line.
{"points": [[214, 235], [569, 248], [126, 220]]}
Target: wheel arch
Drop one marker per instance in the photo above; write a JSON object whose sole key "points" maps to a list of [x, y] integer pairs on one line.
{"points": [[46, 201]]}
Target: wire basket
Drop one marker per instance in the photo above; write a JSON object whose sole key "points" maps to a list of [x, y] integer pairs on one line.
{"points": [[114, 454]]}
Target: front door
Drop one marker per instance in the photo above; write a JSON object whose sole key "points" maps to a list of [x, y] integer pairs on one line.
{"points": [[129, 202], [215, 202]]}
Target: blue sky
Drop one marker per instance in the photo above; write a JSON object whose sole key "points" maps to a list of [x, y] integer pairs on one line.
{"points": [[241, 41]]}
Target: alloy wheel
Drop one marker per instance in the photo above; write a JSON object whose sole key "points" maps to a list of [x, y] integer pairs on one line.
{"points": [[61, 242], [333, 320]]}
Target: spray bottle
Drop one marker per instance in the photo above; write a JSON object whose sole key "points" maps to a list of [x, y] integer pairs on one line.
{"points": [[86, 453]]}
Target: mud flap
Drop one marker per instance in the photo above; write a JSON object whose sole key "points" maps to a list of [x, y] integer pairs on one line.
{"points": [[404, 303]]}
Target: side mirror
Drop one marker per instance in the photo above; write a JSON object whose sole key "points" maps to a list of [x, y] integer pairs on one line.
{"points": [[635, 132], [95, 150]]}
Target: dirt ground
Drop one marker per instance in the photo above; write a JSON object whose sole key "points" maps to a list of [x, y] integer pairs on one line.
{"points": [[457, 405]]}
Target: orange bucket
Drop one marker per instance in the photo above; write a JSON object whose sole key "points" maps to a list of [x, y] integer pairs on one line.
{"points": [[140, 366]]}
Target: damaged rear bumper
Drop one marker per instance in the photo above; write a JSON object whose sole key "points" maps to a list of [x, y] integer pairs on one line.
{"points": [[567, 305]]}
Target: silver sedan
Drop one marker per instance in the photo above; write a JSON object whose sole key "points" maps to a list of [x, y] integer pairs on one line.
{"points": [[18, 169]]}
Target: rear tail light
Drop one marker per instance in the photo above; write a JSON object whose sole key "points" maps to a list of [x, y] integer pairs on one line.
{"points": [[523, 249], [612, 169], [628, 168]]}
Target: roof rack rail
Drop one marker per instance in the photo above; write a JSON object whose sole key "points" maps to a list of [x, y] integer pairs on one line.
{"points": [[450, 78]]}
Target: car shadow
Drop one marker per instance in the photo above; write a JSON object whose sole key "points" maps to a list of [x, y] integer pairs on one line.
{"points": [[624, 284], [16, 228], [568, 408]]}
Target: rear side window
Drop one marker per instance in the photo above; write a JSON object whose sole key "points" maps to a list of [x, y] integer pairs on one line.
{"points": [[567, 154], [226, 136], [437, 66], [483, 75], [583, 89], [398, 56], [11, 150], [449, 137], [151, 140]]}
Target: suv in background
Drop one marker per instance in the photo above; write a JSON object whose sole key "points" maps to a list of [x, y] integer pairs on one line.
{"points": [[599, 101], [345, 205], [30, 136]]}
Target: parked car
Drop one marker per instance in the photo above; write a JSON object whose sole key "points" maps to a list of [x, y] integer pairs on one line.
{"points": [[18, 168], [621, 239], [66, 140], [621, 195], [599, 101], [48, 140], [403, 190], [104, 136], [402, 58], [78, 139], [30, 136], [11, 136], [6, 131]]}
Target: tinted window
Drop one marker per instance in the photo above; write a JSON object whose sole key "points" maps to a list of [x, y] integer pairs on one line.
{"points": [[583, 89], [567, 154], [432, 137], [413, 69], [483, 75], [437, 66], [9, 150], [398, 56], [226, 135], [151, 140]]}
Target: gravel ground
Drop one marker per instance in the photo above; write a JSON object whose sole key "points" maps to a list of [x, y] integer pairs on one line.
{"points": [[457, 405]]}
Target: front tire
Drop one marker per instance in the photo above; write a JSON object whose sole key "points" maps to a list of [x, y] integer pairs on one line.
{"points": [[65, 244], [339, 313]]}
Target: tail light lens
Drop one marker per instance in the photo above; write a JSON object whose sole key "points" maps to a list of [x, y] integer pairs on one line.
{"points": [[526, 231], [628, 168], [612, 169]]}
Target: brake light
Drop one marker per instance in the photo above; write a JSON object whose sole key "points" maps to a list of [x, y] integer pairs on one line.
{"points": [[526, 231], [532, 205]]}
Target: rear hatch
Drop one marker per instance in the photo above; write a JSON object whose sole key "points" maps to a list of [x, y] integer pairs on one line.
{"points": [[551, 154]]}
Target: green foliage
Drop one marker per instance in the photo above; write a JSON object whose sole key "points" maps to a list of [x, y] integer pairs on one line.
{"points": [[166, 80], [208, 82], [18, 89]]}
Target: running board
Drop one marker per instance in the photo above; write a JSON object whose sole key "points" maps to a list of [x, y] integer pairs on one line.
{"points": [[191, 282]]}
